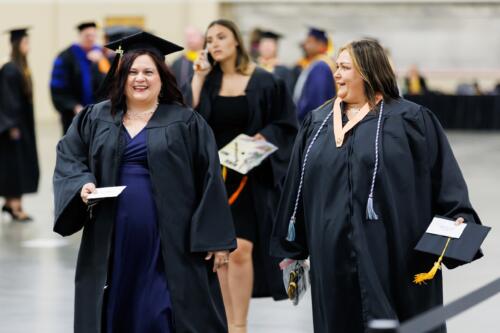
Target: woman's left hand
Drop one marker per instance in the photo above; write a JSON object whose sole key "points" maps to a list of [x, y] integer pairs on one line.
{"points": [[459, 220], [221, 258]]}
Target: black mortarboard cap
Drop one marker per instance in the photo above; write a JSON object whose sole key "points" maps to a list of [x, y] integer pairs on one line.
{"points": [[319, 34], [139, 41], [117, 32], [144, 41], [460, 250], [270, 34], [452, 252], [85, 25], [17, 34]]}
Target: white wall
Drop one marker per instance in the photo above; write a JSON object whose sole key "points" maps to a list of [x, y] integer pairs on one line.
{"points": [[451, 41], [53, 28]]}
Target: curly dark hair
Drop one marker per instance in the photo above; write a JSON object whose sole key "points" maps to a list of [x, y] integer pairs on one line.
{"points": [[169, 93]]}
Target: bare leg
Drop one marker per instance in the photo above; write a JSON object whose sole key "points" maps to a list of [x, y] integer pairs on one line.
{"points": [[223, 273], [240, 280]]}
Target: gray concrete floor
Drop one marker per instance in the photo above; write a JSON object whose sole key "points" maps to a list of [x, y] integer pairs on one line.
{"points": [[37, 266]]}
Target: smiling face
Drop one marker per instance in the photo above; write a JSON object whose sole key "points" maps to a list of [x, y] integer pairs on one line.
{"points": [[221, 43], [143, 81], [349, 82]]}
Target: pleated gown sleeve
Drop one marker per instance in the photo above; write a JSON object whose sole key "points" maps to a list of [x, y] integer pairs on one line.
{"points": [[280, 247], [71, 173], [212, 226], [281, 127], [450, 194]]}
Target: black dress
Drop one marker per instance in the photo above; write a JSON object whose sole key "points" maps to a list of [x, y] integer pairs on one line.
{"points": [[229, 119], [19, 170], [272, 114], [138, 293]]}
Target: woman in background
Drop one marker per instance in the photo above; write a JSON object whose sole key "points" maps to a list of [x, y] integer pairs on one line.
{"points": [[18, 154], [235, 96]]}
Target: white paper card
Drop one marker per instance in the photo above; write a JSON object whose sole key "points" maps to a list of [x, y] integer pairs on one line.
{"points": [[106, 192], [445, 227], [244, 153]]}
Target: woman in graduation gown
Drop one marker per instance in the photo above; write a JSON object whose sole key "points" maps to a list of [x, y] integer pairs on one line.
{"points": [[364, 183], [143, 264], [18, 154], [235, 96]]}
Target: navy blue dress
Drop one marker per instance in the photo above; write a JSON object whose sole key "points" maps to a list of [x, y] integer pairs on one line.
{"points": [[138, 295]]}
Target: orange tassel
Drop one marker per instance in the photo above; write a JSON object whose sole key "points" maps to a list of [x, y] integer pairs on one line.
{"points": [[237, 193], [422, 277]]}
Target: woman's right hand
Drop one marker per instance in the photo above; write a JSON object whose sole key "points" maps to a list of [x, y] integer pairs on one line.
{"points": [[201, 66], [86, 190]]}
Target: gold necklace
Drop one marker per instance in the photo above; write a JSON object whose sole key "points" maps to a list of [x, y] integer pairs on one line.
{"points": [[140, 114]]}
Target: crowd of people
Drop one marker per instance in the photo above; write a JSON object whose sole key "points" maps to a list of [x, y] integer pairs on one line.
{"points": [[358, 175]]}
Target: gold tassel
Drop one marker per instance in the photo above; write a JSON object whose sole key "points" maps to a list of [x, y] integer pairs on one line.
{"points": [[224, 173], [422, 277]]}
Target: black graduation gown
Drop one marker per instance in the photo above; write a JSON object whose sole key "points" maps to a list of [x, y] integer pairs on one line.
{"points": [[193, 216], [363, 269], [69, 92], [285, 74], [272, 113], [183, 71], [19, 172]]}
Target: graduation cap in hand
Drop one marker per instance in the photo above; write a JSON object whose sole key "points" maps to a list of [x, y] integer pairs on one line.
{"points": [[451, 251], [138, 41]]}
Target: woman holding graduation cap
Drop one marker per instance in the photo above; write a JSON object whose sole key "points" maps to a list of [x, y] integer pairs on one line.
{"points": [[18, 154], [369, 171], [148, 257], [235, 96]]}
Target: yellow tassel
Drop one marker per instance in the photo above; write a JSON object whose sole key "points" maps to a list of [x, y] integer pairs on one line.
{"points": [[224, 173], [422, 277]]}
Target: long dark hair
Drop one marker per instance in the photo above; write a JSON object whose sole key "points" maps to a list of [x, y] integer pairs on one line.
{"points": [[243, 59], [372, 63], [21, 61], [169, 93]]}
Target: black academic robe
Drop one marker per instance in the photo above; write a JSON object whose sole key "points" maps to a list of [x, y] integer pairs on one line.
{"points": [[19, 172], [191, 202], [67, 87], [363, 269], [272, 114], [285, 74], [183, 71]]}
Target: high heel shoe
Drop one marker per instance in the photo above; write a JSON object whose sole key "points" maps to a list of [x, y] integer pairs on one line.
{"points": [[17, 216]]}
